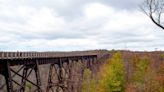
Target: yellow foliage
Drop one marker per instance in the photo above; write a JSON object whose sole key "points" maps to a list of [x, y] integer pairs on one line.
{"points": [[111, 77]]}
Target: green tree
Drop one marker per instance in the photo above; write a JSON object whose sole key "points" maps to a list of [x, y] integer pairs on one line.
{"points": [[113, 75], [89, 84], [144, 77], [141, 67]]}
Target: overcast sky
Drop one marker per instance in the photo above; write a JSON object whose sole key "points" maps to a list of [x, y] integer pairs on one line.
{"points": [[65, 25]]}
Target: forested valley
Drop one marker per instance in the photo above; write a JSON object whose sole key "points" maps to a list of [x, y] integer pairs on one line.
{"points": [[127, 71]]}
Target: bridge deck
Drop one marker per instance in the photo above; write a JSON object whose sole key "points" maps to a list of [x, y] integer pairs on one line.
{"points": [[20, 55], [21, 58]]}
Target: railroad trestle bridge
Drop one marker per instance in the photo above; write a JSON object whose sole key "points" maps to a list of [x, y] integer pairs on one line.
{"points": [[22, 70]]}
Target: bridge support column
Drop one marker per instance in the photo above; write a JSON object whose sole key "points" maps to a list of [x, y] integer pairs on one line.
{"points": [[27, 72], [7, 74], [70, 79], [58, 77], [89, 63], [37, 74]]}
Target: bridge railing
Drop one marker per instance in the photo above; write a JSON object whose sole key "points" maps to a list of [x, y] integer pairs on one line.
{"points": [[8, 55]]}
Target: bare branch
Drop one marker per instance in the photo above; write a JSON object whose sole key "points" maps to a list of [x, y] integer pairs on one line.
{"points": [[154, 9]]}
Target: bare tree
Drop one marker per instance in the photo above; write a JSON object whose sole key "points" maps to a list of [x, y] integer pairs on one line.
{"points": [[154, 9]]}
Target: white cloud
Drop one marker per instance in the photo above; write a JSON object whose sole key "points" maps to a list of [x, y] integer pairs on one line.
{"points": [[29, 27], [95, 10], [45, 20]]}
